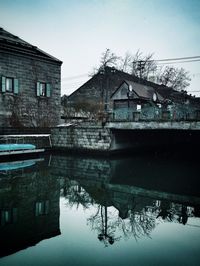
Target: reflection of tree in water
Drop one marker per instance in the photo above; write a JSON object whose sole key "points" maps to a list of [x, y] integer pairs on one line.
{"points": [[105, 223], [137, 218], [76, 195], [139, 224], [108, 223], [171, 212], [165, 210]]}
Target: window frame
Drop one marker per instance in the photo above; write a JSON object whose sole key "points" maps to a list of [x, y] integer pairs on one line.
{"points": [[5, 84], [8, 216], [44, 92], [42, 207]]}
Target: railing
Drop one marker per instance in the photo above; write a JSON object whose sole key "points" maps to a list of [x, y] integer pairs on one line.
{"points": [[137, 116], [24, 130]]}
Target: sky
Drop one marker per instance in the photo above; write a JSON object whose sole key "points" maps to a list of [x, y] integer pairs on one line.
{"points": [[78, 31]]}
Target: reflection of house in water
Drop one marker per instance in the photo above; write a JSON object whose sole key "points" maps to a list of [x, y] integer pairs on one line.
{"points": [[140, 190], [139, 211], [124, 211], [29, 210]]}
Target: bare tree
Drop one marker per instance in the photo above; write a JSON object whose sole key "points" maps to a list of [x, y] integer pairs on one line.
{"points": [[176, 78], [126, 63], [145, 67], [108, 59]]}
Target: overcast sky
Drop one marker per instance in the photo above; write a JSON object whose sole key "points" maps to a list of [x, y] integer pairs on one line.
{"points": [[78, 31]]}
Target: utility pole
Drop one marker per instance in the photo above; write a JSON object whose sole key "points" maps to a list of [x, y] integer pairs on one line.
{"points": [[106, 72], [140, 67]]}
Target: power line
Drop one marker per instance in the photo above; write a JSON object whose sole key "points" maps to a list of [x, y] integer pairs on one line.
{"points": [[75, 77], [197, 57], [178, 58], [72, 84], [189, 61]]}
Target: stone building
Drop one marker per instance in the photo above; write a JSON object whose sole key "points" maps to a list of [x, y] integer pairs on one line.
{"points": [[29, 84]]}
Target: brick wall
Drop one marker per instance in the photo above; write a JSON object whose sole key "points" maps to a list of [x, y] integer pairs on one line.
{"points": [[29, 109]]}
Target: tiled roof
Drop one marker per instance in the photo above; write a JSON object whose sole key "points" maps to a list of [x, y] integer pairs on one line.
{"points": [[12, 43], [144, 91], [117, 77]]}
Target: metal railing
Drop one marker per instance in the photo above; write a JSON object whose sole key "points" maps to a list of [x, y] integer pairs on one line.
{"points": [[136, 116], [24, 130]]}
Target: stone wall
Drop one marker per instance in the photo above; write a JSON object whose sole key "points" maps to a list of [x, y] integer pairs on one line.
{"points": [[81, 138], [25, 107]]}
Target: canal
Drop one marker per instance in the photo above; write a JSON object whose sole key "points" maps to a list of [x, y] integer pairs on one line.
{"points": [[139, 209]]}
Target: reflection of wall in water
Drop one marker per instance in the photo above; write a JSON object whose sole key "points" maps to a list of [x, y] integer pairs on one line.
{"points": [[178, 175], [29, 208], [84, 168]]}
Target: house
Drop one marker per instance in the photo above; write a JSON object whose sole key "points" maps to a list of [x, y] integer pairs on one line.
{"points": [[133, 100], [29, 84], [112, 90]]}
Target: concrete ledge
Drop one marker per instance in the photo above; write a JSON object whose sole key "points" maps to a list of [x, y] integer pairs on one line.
{"points": [[182, 125]]}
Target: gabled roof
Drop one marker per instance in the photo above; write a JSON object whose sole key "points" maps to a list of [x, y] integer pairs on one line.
{"points": [[12, 43], [144, 91], [117, 77]]}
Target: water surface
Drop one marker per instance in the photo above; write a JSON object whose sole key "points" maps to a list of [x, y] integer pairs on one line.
{"points": [[72, 210]]}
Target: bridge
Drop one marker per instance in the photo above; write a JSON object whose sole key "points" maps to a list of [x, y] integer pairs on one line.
{"points": [[145, 134], [154, 125]]}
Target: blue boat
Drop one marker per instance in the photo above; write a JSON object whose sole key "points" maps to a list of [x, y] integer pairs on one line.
{"points": [[14, 147], [17, 149]]}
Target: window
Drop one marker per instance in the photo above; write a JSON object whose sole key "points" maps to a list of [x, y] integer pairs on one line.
{"points": [[10, 85], [139, 107], [41, 208], [43, 89], [8, 216]]}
